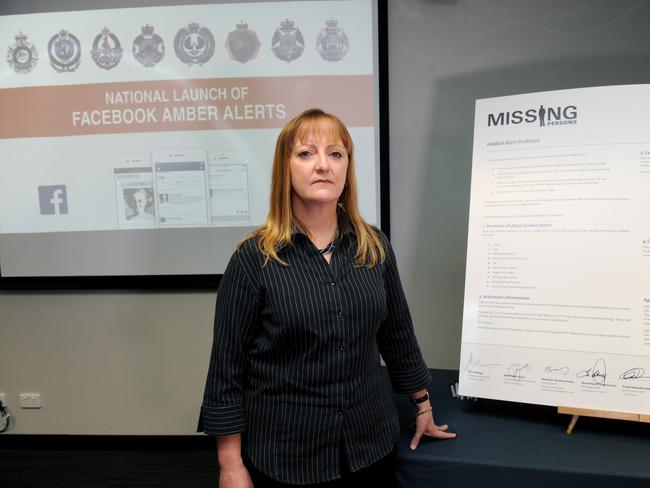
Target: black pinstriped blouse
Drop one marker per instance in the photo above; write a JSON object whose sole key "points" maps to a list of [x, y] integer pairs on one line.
{"points": [[295, 359]]}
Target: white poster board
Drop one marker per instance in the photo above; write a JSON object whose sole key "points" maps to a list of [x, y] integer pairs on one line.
{"points": [[557, 290]]}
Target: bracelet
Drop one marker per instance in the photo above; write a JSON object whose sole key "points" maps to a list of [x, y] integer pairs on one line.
{"points": [[421, 399], [423, 411], [419, 412]]}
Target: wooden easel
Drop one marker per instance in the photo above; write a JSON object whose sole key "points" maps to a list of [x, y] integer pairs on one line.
{"points": [[603, 414]]}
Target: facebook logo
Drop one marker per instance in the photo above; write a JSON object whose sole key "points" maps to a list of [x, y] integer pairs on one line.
{"points": [[53, 199]]}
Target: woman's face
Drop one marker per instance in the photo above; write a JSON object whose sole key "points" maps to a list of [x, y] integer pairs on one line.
{"points": [[318, 167]]}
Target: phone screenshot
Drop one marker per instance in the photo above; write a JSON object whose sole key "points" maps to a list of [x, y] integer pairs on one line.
{"points": [[228, 189], [134, 191], [180, 180]]}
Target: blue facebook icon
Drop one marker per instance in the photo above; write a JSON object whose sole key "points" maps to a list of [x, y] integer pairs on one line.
{"points": [[53, 199]]}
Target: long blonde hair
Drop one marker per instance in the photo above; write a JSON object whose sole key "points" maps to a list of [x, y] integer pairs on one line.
{"points": [[277, 230]]}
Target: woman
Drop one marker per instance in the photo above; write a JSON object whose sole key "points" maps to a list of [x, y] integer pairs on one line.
{"points": [[307, 304]]}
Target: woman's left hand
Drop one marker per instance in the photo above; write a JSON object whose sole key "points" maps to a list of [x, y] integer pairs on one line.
{"points": [[425, 426]]}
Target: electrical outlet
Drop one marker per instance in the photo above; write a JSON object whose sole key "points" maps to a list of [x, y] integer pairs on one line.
{"points": [[30, 400]]}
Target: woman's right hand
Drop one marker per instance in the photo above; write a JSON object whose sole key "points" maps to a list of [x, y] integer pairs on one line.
{"points": [[232, 471], [235, 477]]}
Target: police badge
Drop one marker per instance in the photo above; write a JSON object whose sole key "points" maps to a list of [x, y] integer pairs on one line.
{"points": [[21, 55], [148, 48], [194, 44], [332, 43], [64, 50], [287, 43], [106, 50], [242, 44]]}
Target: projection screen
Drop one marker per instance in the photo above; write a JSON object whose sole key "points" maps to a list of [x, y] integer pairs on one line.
{"points": [[138, 141]]}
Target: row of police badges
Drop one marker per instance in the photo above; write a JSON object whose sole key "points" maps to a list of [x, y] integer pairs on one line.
{"points": [[193, 44]]}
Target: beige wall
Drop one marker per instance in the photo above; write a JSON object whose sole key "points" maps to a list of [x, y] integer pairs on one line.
{"points": [[106, 363]]}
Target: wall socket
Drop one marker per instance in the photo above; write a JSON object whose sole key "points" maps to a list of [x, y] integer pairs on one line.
{"points": [[30, 400]]}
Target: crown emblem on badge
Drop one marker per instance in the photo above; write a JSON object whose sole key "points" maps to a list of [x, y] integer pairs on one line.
{"points": [[194, 44], [287, 43], [64, 50], [287, 25], [242, 44], [22, 56], [332, 43], [106, 51], [148, 47]]}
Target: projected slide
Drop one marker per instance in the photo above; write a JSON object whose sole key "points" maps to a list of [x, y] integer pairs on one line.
{"points": [[557, 297], [159, 118]]}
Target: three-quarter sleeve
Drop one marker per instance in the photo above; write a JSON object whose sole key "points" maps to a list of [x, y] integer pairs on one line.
{"points": [[236, 316], [396, 337]]}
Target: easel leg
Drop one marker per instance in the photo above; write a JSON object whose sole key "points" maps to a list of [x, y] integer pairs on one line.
{"points": [[572, 424], [601, 414]]}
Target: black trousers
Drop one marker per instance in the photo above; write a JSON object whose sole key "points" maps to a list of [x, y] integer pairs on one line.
{"points": [[381, 474]]}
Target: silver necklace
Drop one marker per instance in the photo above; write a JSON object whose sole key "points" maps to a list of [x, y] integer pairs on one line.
{"points": [[330, 247]]}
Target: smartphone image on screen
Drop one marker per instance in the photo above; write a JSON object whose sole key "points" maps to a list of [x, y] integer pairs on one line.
{"points": [[181, 188], [228, 189], [134, 191]]}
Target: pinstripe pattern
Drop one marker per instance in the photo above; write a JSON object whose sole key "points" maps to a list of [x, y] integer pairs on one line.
{"points": [[295, 359]]}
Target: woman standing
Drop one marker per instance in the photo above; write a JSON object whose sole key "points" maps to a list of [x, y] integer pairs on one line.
{"points": [[307, 304]]}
